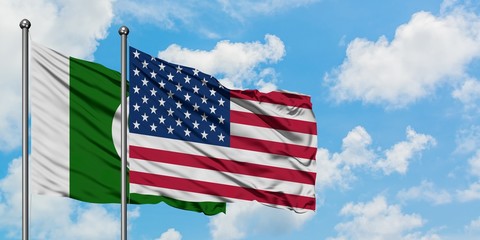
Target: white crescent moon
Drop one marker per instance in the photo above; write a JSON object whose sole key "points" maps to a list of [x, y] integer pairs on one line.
{"points": [[116, 129]]}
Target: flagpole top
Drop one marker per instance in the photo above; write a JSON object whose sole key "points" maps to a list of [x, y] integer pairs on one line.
{"points": [[25, 24], [123, 30]]}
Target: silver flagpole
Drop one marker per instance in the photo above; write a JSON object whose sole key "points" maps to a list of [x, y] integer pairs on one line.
{"points": [[25, 26], [123, 31]]}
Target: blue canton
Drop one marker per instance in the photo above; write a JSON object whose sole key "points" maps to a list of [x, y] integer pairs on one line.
{"points": [[178, 102]]}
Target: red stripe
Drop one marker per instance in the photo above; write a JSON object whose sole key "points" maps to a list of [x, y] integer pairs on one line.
{"points": [[283, 98], [279, 123], [217, 189], [265, 146], [223, 165]]}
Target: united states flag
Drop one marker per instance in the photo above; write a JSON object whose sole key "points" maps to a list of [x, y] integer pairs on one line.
{"points": [[192, 139]]}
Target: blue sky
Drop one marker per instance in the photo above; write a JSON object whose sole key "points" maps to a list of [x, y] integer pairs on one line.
{"points": [[395, 89]]}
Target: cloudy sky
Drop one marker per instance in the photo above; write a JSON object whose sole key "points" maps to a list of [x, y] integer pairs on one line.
{"points": [[395, 87]]}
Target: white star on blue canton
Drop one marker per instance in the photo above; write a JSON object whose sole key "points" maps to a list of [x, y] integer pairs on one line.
{"points": [[212, 92], [170, 94], [212, 109], [170, 77], [136, 54], [221, 102], [153, 127], [161, 102], [221, 119], [195, 107], [161, 84], [161, 119], [204, 117], [187, 115], [221, 137], [195, 89], [179, 104], [136, 125], [153, 74], [179, 87], [145, 117], [153, 110], [136, 72], [145, 99], [136, 89], [179, 122], [153, 92], [136, 107]]}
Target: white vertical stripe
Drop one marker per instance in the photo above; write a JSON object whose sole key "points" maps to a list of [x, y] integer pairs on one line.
{"points": [[50, 168]]}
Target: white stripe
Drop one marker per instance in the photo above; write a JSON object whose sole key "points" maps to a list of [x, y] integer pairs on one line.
{"points": [[274, 135], [186, 196], [50, 168], [227, 153], [227, 178], [177, 194], [271, 109]]}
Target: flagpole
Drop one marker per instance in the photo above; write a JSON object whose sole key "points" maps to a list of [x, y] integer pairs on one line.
{"points": [[25, 26], [123, 31]]}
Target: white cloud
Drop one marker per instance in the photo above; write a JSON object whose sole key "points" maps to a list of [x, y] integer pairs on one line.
{"points": [[468, 93], [172, 14], [72, 27], [331, 171], [411, 66], [377, 220], [357, 152], [163, 13], [473, 226], [474, 163], [420, 236], [337, 168], [133, 213], [468, 140], [425, 191], [243, 9], [52, 217], [170, 234], [237, 71], [472, 193], [398, 157], [251, 218], [448, 5]]}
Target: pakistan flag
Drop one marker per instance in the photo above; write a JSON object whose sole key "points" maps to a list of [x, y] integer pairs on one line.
{"points": [[74, 103]]}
